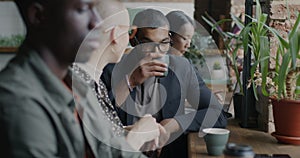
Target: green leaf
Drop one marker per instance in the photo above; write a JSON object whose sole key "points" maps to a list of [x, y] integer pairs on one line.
{"points": [[264, 63], [258, 9], [284, 68], [238, 22], [294, 41]]}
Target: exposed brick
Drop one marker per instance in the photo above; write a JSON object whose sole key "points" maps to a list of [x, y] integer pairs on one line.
{"points": [[280, 21], [279, 11]]}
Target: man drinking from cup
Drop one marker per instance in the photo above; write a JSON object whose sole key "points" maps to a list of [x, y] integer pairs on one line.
{"points": [[139, 84]]}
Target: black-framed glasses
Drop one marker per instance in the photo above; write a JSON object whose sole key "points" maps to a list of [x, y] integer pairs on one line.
{"points": [[149, 46], [184, 38]]}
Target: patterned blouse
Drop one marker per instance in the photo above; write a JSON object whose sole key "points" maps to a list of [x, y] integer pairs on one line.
{"points": [[104, 102]]}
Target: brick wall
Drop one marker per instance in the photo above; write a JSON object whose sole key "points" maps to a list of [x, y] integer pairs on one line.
{"points": [[278, 18], [237, 7]]}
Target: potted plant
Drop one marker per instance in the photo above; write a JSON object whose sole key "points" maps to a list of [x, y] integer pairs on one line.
{"points": [[281, 83], [11, 43], [253, 35], [217, 72]]}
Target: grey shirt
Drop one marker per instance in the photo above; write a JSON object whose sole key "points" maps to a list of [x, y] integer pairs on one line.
{"points": [[37, 119]]}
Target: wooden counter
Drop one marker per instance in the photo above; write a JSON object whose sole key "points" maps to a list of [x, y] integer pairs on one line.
{"points": [[261, 142]]}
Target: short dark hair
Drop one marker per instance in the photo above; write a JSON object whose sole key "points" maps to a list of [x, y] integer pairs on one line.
{"points": [[23, 5], [150, 18], [177, 19]]}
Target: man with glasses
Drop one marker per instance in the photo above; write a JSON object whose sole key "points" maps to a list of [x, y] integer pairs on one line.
{"points": [[159, 84]]}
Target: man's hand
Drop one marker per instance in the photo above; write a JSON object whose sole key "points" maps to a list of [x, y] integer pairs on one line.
{"points": [[154, 145], [171, 125], [163, 136], [145, 130], [147, 68]]}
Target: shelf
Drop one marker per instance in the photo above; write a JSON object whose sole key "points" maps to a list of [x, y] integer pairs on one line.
{"points": [[8, 49]]}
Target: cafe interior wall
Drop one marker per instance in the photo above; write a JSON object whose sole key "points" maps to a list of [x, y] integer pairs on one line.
{"points": [[11, 24], [185, 5]]}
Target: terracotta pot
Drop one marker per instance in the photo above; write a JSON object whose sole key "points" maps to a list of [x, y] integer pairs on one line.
{"points": [[287, 120]]}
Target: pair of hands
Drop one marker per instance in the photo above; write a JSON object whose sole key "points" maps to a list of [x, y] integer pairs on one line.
{"points": [[147, 67], [147, 134], [167, 127]]}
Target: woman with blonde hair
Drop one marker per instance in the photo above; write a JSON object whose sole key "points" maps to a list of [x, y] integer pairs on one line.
{"points": [[114, 40]]}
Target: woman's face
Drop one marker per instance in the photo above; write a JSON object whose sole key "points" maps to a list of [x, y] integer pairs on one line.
{"points": [[182, 39]]}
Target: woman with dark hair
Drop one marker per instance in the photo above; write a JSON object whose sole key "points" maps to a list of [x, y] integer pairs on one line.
{"points": [[182, 29]]}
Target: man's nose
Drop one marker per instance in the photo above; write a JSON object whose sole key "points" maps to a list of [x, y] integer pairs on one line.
{"points": [[95, 19]]}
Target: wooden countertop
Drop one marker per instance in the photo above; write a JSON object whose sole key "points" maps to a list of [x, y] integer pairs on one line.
{"points": [[261, 142]]}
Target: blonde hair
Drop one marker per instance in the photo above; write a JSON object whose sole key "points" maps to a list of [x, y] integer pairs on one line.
{"points": [[107, 8], [112, 12]]}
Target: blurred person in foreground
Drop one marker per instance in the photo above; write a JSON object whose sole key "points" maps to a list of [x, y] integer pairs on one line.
{"points": [[114, 40], [45, 110]]}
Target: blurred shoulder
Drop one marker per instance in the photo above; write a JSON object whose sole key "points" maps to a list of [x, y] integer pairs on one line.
{"points": [[178, 63], [178, 60]]}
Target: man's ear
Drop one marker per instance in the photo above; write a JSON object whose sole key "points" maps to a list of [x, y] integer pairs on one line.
{"points": [[35, 14], [132, 36], [132, 32]]}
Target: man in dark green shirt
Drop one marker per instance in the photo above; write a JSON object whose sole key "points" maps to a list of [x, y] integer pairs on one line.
{"points": [[37, 107]]}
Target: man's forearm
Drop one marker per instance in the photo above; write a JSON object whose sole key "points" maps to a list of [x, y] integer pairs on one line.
{"points": [[121, 93]]}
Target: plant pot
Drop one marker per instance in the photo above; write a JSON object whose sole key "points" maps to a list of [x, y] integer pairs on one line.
{"points": [[264, 110], [287, 120], [218, 74], [237, 105]]}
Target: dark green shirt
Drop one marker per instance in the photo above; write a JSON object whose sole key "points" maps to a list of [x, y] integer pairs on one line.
{"points": [[37, 119], [36, 111]]}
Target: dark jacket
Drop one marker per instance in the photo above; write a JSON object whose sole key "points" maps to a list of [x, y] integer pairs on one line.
{"points": [[182, 83]]}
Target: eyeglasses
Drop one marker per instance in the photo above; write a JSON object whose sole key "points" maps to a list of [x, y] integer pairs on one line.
{"points": [[184, 38], [149, 46]]}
